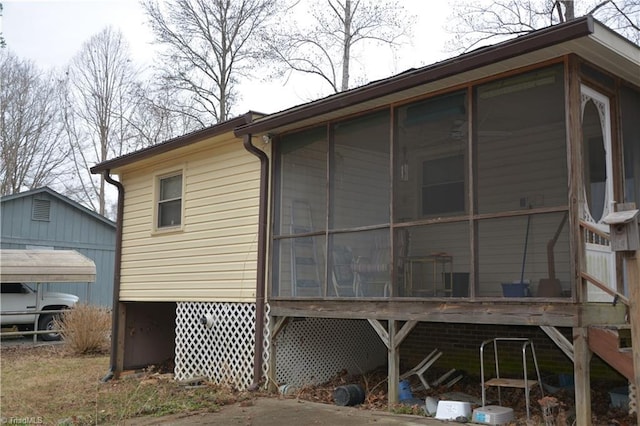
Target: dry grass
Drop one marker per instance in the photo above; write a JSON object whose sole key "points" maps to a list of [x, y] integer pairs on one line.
{"points": [[49, 385], [85, 329]]}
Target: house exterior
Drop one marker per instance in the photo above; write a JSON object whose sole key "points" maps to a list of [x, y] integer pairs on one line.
{"points": [[188, 246], [481, 191], [44, 219]]}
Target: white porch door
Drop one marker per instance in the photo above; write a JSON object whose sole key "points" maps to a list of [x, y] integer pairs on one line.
{"points": [[598, 198]]}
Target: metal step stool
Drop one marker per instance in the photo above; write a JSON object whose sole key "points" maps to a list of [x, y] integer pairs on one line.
{"points": [[501, 382]]}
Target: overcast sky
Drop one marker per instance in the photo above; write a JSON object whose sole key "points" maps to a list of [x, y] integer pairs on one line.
{"points": [[51, 32]]}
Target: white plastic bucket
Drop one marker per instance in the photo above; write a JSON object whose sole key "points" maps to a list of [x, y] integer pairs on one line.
{"points": [[451, 410]]}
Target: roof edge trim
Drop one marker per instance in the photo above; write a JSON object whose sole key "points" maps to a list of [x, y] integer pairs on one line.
{"points": [[535, 40], [171, 144]]}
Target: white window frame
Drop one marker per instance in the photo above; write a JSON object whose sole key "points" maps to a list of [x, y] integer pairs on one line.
{"points": [[157, 179]]}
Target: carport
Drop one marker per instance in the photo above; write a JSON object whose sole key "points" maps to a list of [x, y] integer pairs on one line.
{"points": [[44, 266]]}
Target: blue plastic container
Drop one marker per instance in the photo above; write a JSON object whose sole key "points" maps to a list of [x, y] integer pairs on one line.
{"points": [[565, 380], [404, 391], [620, 397], [515, 289]]}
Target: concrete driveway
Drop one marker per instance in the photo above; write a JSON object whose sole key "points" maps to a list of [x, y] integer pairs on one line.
{"points": [[281, 411]]}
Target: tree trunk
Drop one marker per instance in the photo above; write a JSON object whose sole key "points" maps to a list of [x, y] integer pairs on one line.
{"points": [[569, 10], [102, 196], [346, 46]]}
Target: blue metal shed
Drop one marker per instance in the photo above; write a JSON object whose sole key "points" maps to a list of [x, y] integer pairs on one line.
{"points": [[44, 219]]}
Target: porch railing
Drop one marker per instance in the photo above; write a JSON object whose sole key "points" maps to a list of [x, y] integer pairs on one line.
{"points": [[596, 236]]}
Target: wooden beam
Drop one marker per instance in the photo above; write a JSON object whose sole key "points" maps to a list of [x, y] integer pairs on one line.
{"points": [[278, 324], [602, 286], [581, 374], [633, 280], [528, 312], [558, 338], [404, 331], [392, 339], [393, 351], [382, 332], [573, 120]]}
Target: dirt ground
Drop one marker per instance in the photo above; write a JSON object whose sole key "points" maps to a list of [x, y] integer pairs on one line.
{"points": [[313, 405]]}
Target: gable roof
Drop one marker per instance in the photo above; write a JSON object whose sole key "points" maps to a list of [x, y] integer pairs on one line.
{"points": [[584, 36], [175, 143], [62, 198]]}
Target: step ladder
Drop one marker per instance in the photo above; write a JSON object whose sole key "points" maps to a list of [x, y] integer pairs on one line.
{"points": [[305, 273], [501, 382]]}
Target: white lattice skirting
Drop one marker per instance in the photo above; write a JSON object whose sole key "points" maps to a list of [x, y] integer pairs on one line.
{"points": [[221, 350], [313, 350], [308, 351]]}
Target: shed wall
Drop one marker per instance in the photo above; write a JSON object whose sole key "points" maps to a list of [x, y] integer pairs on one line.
{"points": [[68, 228]]}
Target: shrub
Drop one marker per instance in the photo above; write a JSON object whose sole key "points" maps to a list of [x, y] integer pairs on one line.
{"points": [[86, 329]]}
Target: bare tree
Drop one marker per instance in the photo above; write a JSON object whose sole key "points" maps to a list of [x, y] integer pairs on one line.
{"points": [[98, 105], [475, 23], [32, 151], [3, 43], [158, 116], [324, 47], [209, 45]]}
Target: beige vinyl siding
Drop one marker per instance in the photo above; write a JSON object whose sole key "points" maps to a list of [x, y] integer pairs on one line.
{"points": [[213, 257], [361, 194], [501, 252], [528, 167], [361, 190], [530, 164]]}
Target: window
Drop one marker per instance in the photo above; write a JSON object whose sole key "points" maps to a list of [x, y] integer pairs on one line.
{"points": [[170, 201], [443, 185], [12, 288]]}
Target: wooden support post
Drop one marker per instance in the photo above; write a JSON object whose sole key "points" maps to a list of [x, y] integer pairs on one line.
{"points": [[633, 283], [120, 349], [393, 351], [392, 338], [582, 373]]}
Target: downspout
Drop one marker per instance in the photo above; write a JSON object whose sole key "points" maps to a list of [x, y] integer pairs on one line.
{"points": [[262, 250], [115, 311]]}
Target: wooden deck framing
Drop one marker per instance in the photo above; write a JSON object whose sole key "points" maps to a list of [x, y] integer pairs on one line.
{"points": [[530, 312]]}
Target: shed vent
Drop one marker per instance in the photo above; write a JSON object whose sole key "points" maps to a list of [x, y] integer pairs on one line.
{"points": [[41, 210]]}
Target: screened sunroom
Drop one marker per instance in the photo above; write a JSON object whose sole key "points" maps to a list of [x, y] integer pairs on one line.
{"points": [[463, 193]]}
